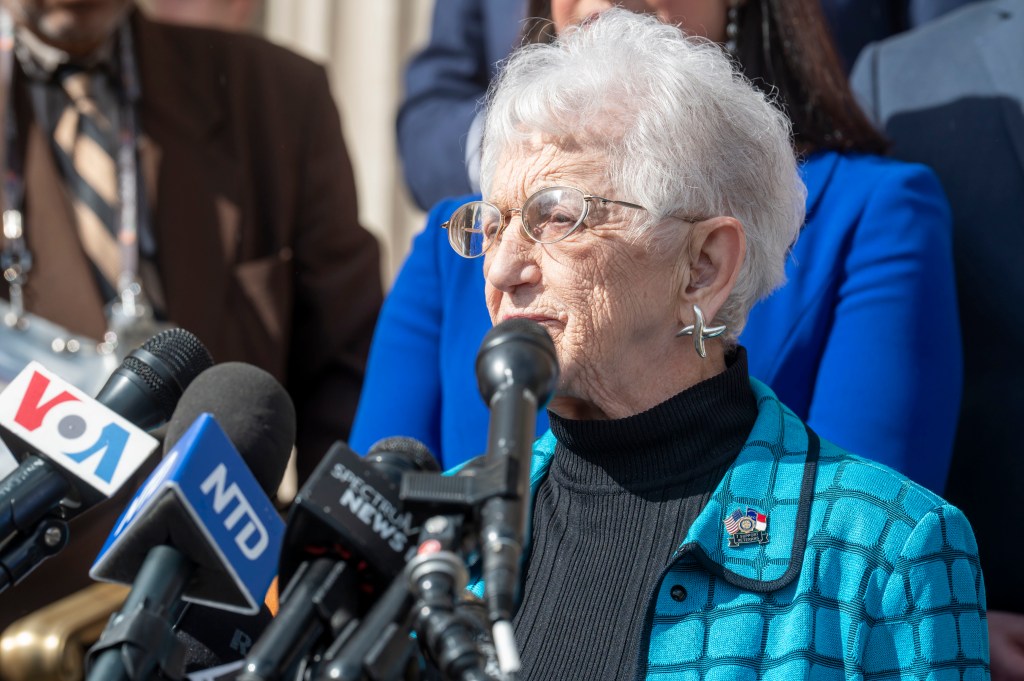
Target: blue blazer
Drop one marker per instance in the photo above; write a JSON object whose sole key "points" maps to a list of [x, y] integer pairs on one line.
{"points": [[863, 575], [862, 342], [951, 95]]}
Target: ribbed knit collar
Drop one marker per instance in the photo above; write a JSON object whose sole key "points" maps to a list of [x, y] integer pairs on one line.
{"points": [[680, 439]]}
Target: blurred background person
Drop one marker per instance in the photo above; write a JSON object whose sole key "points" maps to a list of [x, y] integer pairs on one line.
{"points": [[951, 94], [855, 23], [874, 254], [685, 522], [438, 120], [248, 229], [226, 15]]}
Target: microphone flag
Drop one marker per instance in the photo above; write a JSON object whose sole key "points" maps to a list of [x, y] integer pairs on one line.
{"points": [[74, 431], [203, 499]]}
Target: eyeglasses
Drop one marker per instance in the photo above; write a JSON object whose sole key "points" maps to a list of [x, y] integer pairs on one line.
{"points": [[549, 216]]}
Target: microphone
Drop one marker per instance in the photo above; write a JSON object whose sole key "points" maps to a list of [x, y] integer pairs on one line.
{"points": [[200, 528], [346, 539], [517, 371], [85, 449], [146, 388]]}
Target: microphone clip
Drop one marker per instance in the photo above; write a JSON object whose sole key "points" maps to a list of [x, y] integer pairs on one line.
{"points": [[143, 639]]}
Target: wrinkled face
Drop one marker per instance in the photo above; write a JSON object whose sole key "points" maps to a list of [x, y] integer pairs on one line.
{"points": [[76, 26], [608, 300], [698, 17]]}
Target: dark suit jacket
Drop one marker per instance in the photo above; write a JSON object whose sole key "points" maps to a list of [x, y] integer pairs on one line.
{"points": [[259, 248], [951, 95], [443, 84], [855, 23]]}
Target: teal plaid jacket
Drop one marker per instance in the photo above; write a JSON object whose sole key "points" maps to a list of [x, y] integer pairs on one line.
{"points": [[864, 575]]}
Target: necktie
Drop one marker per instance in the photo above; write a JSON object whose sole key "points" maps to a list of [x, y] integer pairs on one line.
{"points": [[86, 142]]}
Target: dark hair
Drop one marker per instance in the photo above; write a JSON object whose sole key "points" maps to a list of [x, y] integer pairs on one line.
{"points": [[784, 47], [538, 27]]}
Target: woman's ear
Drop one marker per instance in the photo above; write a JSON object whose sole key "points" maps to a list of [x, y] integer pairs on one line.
{"points": [[715, 252]]}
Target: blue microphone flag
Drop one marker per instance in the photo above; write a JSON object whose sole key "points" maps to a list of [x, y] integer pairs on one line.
{"points": [[203, 500]]}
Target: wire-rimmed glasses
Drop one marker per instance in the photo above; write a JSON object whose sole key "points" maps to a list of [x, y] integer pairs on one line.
{"points": [[548, 216]]}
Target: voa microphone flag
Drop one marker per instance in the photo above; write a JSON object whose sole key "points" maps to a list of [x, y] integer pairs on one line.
{"points": [[72, 430], [201, 496]]}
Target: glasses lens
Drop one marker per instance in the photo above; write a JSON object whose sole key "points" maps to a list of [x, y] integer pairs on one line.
{"points": [[553, 213], [473, 227]]}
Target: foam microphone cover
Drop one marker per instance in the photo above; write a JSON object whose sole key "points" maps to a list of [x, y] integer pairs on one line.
{"points": [[263, 432], [214, 637]]}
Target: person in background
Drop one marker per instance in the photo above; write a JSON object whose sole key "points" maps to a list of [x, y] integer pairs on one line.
{"points": [[951, 95], [248, 228], [226, 15], [870, 300], [439, 122], [685, 523], [443, 85], [855, 23]]}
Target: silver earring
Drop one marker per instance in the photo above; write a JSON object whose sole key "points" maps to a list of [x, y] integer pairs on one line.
{"points": [[699, 331], [732, 27]]}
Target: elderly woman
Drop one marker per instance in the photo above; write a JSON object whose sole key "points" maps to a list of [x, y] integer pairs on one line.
{"points": [[640, 197], [874, 254]]}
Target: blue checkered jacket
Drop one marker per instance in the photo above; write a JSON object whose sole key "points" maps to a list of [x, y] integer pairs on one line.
{"points": [[865, 575]]}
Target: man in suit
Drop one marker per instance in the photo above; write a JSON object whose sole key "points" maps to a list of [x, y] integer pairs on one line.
{"points": [[951, 95], [251, 239]]}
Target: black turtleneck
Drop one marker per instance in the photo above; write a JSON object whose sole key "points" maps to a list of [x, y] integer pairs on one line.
{"points": [[619, 498]]}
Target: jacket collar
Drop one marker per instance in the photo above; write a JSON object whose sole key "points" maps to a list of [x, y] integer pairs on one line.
{"points": [[192, 79], [773, 474], [816, 172]]}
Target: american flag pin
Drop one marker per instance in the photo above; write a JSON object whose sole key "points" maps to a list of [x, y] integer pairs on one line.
{"points": [[746, 527]]}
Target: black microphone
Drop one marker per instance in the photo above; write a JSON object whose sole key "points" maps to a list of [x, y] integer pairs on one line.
{"points": [[346, 539], [517, 371], [200, 528], [146, 388], [86, 449]]}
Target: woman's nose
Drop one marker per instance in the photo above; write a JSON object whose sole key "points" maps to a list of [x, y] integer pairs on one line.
{"points": [[511, 260]]}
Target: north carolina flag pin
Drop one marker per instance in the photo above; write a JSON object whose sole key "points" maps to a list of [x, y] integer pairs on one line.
{"points": [[746, 528]]}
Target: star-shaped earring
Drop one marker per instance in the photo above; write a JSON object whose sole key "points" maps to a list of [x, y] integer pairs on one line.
{"points": [[699, 331]]}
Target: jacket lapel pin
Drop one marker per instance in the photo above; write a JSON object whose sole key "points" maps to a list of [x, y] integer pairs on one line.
{"points": [[748, 527]]}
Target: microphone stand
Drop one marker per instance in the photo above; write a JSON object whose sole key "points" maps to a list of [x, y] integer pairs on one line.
{"points": [[480, 491], [139, 641], [25, 551], [379, 648], [424, 599]]}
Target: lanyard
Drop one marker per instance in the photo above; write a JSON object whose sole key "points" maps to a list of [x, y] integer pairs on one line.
{"points": [[15, 258]]}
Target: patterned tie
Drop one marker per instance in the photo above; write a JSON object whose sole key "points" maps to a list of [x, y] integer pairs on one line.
{"points": [[86, 142]]}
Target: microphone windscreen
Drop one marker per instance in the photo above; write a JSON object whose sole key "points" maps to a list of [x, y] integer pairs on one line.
{"points": [[214, 637], [252, 408], [404, 453], [182, 352]]}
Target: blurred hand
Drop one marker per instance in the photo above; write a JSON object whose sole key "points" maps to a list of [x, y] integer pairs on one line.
{"points": [[1006, 643]]}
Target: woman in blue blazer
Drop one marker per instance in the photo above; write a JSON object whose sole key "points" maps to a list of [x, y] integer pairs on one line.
{"points": [[863, 342]]}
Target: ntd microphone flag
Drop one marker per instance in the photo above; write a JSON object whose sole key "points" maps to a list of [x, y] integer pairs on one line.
{"points": [[203, 500], [72, 430]]}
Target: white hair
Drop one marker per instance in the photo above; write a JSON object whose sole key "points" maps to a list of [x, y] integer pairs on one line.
{"points": [[683, 132]]}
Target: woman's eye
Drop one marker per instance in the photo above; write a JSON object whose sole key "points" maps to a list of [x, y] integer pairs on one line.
{"points": [[561, 218], [490, 228]]}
